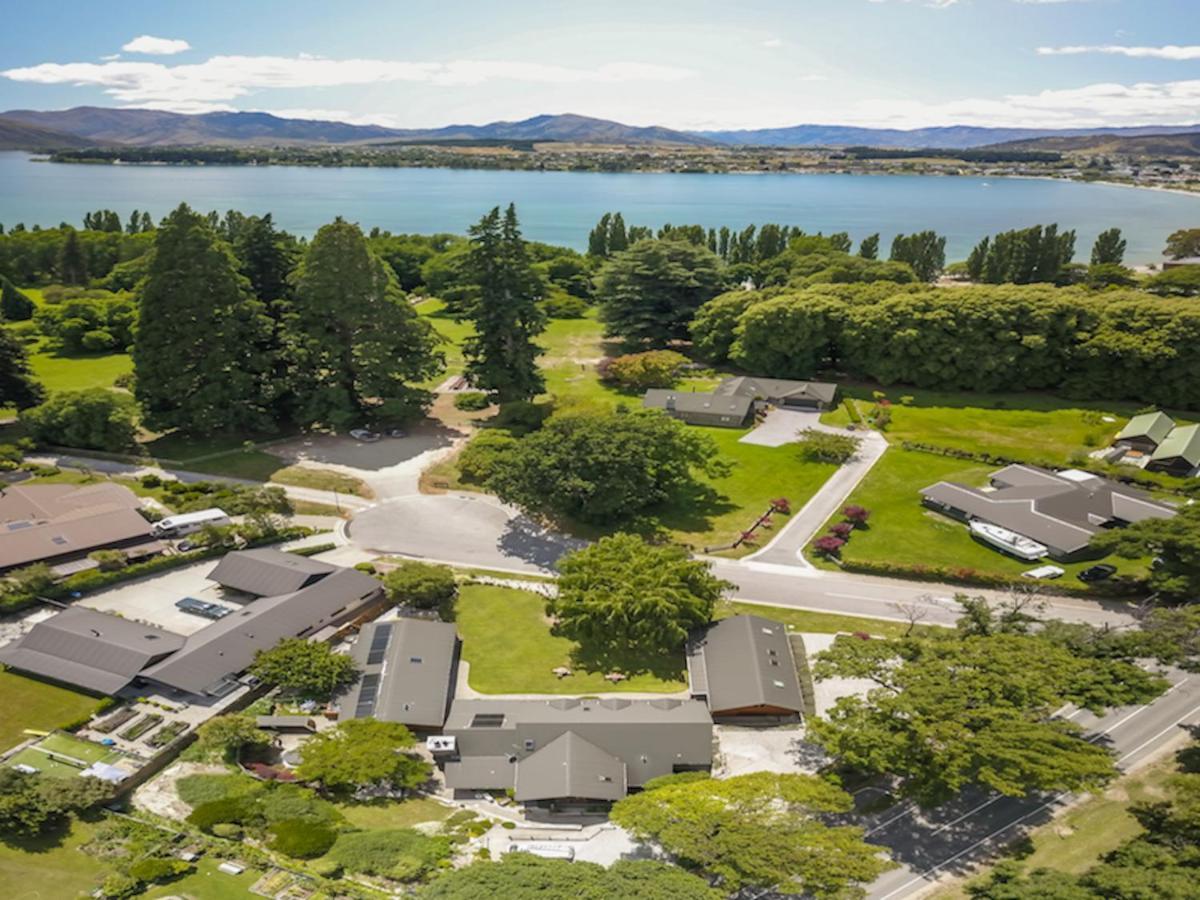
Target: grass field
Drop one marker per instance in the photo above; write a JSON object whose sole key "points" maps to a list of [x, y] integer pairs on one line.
{"points": [[73, 373], [50, 868], [39, 705], [903, 531], [322, 480], [207, 883], [817, 622], [1076, 840], [382, 814], [508, 645]]}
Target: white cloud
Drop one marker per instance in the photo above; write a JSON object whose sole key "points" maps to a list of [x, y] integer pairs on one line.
{"points": [[1170, 51], [772, 43], [936, 4], [222, 78], [156, 46]]}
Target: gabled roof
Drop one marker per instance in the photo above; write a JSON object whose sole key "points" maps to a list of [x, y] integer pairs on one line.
{"points": [[228, 645], [1182, 443], [1059, 509], [46, 501], [777, 389], [408, 671], [266, 572], [744, 662], [1153, 426], [569, 766], [93, 650], [698, 402]]}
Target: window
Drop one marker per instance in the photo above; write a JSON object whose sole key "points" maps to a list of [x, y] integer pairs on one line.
{"points": [[488, 720]]}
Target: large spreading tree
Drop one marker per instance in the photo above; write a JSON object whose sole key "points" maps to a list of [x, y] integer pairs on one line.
{"points": [[501, 356], [975, 707], [196, 351], [602, 468], [763, 831], [362, 752], [621, 593], [649, 293], [306, 667], [1174, 542], [358, 346]]}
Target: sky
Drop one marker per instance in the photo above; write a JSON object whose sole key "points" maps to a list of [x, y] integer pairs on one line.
{"points": [[689, 64]]}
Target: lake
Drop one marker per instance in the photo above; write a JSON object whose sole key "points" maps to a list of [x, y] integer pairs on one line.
{"points": [[561, 207]]}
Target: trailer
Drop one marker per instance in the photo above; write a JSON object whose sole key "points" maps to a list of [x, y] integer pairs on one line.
{"points": [[189, 523]]}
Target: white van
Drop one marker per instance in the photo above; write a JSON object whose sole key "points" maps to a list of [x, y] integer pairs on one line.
{"points": [[189, 523]]}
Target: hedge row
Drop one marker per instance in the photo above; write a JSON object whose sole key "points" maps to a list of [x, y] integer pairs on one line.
{"points": [[1120, 586]]}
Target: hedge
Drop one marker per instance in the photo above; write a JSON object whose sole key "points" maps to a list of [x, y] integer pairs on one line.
{"points": [[1117, 587], [301, 839]]}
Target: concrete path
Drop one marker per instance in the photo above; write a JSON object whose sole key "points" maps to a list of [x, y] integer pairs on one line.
{"points": [[787, 546]]}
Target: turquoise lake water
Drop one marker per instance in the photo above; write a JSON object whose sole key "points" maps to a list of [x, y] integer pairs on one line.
{"points": [[560, 207]]}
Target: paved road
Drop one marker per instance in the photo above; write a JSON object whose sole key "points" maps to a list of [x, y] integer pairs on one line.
{"points": [[954, 838]]}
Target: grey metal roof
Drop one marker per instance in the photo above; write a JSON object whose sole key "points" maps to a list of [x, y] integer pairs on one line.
{"points": [[777, 389], [697, 402], [1182, 443], [74, 533], [409, 668], [46, 501], [267, 572], [745, 662], [228, 645], [569, 766], [93, 650], [652, 737], [481, 773], [1059, 509]]}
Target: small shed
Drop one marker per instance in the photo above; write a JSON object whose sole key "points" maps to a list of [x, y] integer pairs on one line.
{"points": [[1147, 431], [1179, 454]]}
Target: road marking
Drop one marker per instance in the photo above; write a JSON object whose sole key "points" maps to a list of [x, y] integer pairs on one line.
{"points": [[900, 815], [856, 597], [1051, 802]]}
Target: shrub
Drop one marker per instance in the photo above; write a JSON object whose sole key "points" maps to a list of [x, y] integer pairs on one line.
{"points": [[824, 446], [675, 778], [403, 854], [150, 481], [118, 886], [197, 790], [155, 870], [227, 830], [423, 585], [564, 306], [301, 839], [522, 416], [640, 371], [325, 868], [842, 530], [94, 419], [234, 810], [856, 514], [367, 567], [109, 560], [293, 803], [472, 401], [830, 545], [479, 458]]}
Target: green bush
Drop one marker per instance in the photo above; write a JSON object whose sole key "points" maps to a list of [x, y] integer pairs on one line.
{"points": [[196, 790], [403, 854], [472, 401], [301, 839], [522, 416], [675, 778], [155, 870], [94, 419], [478, 459], [293, 803], [367, 567], [227, 830], [232, 810], [325, 868], [423, 585], [564, 306]]}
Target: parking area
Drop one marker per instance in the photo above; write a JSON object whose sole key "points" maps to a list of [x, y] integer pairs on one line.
{"points": [[827, 691], [604, 844], [743, 750], [781, 427], [152, 600]]}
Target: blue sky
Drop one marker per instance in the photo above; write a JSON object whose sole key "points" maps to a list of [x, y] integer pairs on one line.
{"points": [[693, 64]]}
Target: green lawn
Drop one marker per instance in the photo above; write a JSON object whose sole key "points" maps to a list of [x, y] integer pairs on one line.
{"points": [[73, 373], [903, 531], [382, 814], [816, 622], [51, 867], [509, 648], [206, 883], [322, 480], [38, 705], [1076, 840]]}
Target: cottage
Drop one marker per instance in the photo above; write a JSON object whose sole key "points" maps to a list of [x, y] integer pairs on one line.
{"points": [[733, 403], [1145, 432], [743, 667], [1179, 453]]}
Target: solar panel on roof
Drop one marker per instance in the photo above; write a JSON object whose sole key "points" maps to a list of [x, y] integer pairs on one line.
{"points": [[379, 643], [366, 696]]}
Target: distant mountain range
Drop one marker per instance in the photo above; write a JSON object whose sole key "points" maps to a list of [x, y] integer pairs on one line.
{"points": [[1101, 144], [92, 126]]}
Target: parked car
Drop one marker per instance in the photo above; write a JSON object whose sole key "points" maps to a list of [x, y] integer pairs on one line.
{"points": [[1044, 572], [202, 608], [186, 546], [397, 433], [1097, 573], [364, 434]]}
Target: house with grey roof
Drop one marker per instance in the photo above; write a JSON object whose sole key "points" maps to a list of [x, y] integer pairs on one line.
{"points": [[743, 667], [95, 651], [60, 524], [569, 751], [409, 668], [210, 660], [266, 571], [733, 403], [1179, 452], [1060, 510]]}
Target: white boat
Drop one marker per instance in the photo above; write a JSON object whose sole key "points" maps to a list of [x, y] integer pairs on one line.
{"points": [[1008, 541]]}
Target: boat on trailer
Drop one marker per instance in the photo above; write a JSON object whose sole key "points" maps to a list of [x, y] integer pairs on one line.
{"points": [[1008, 541]]}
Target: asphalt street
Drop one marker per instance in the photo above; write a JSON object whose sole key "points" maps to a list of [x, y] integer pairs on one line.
{"points": [[957, 836]]}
